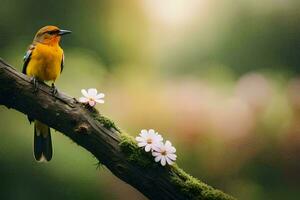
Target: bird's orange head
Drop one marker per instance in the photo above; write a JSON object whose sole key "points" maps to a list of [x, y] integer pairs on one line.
{"points": [[50, 35]]}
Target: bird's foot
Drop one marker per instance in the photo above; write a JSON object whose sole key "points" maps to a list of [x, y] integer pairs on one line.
{"points": [[35, 84], [53, 89]]}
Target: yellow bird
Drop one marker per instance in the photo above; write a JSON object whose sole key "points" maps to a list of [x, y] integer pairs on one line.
{"points": [[44, 61]]}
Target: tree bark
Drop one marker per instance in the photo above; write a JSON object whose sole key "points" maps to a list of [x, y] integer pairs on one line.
{"points": [[98, 135]]}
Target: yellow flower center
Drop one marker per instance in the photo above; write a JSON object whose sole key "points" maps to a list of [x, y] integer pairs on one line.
{"points": [[149, 141]]}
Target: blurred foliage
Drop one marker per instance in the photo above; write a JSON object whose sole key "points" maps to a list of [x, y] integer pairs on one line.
{"points": [[220, 79]]}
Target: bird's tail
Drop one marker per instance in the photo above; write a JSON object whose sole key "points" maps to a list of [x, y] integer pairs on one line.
{"points": [[42, 142]]}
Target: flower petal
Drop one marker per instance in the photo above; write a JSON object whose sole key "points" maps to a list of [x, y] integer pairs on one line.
{"points": [[100, 95], [144, 133], [99, 100], [172, 156], [169, 161], [156, 146], [139, 139], [163, 161], [83, 99], [154, 153], [148, 148], [168, 144], [151, 131], [159, 137], [84, 93], [92, 92], [142, 144], [172, 150], [157, 158]]}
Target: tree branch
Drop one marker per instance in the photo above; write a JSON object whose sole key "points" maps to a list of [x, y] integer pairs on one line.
{"points": [[99, 135]]}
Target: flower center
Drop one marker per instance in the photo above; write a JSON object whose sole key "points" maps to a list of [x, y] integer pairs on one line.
{"points": [[91, 99], [164, 153], [149, 141]]}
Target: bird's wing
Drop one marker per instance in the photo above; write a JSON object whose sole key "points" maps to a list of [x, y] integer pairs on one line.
{"points": [[26, 60], [62, 63], [27, 57]]}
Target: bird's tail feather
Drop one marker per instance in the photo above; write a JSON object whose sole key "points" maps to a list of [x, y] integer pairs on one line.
{"points": [[42, 142]]}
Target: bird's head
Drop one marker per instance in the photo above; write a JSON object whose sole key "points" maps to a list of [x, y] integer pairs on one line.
{"points": [[50, 35]]}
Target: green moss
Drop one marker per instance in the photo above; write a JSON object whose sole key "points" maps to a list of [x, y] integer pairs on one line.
{"points": [[134, 153], [99, 166], [190, 186], [106, 122], [194, 188]]}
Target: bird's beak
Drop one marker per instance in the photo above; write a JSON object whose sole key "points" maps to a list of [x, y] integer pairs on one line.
{"points": [[64, 32]]}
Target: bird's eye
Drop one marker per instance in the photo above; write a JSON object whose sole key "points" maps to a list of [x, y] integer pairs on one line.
{"points": [[52, 32]]}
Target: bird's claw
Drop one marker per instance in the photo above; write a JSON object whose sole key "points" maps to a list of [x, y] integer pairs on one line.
{"points": [[53, 89], [35, 84]]}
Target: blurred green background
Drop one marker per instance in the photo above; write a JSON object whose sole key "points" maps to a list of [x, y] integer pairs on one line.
{"points": [[220, 79]]}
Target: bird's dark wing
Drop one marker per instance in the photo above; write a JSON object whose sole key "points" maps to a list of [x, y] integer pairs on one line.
{"points": [[27, 57], [26, 60], [62, 63]]}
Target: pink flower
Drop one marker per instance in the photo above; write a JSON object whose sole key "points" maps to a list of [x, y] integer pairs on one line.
{"points": [[91, 97], [165, 153], [148, 139]]}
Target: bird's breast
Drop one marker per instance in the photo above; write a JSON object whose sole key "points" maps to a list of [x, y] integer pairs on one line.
{"points": [[45, 62]]}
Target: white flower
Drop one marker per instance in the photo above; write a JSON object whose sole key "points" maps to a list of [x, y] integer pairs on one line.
{"points": [[148, 139], [165, 153], [91, 96]]}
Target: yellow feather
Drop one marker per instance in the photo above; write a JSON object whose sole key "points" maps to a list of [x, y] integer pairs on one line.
{"points": [[45, 62]]}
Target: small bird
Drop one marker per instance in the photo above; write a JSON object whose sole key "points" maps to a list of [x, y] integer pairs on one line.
{"points": [[44, 61]]}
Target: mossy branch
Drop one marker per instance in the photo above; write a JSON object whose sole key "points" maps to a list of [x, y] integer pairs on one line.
{"points": [[99, 135]]}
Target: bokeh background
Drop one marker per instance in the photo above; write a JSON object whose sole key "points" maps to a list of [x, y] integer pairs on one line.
{"points": [[219, 78]]}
